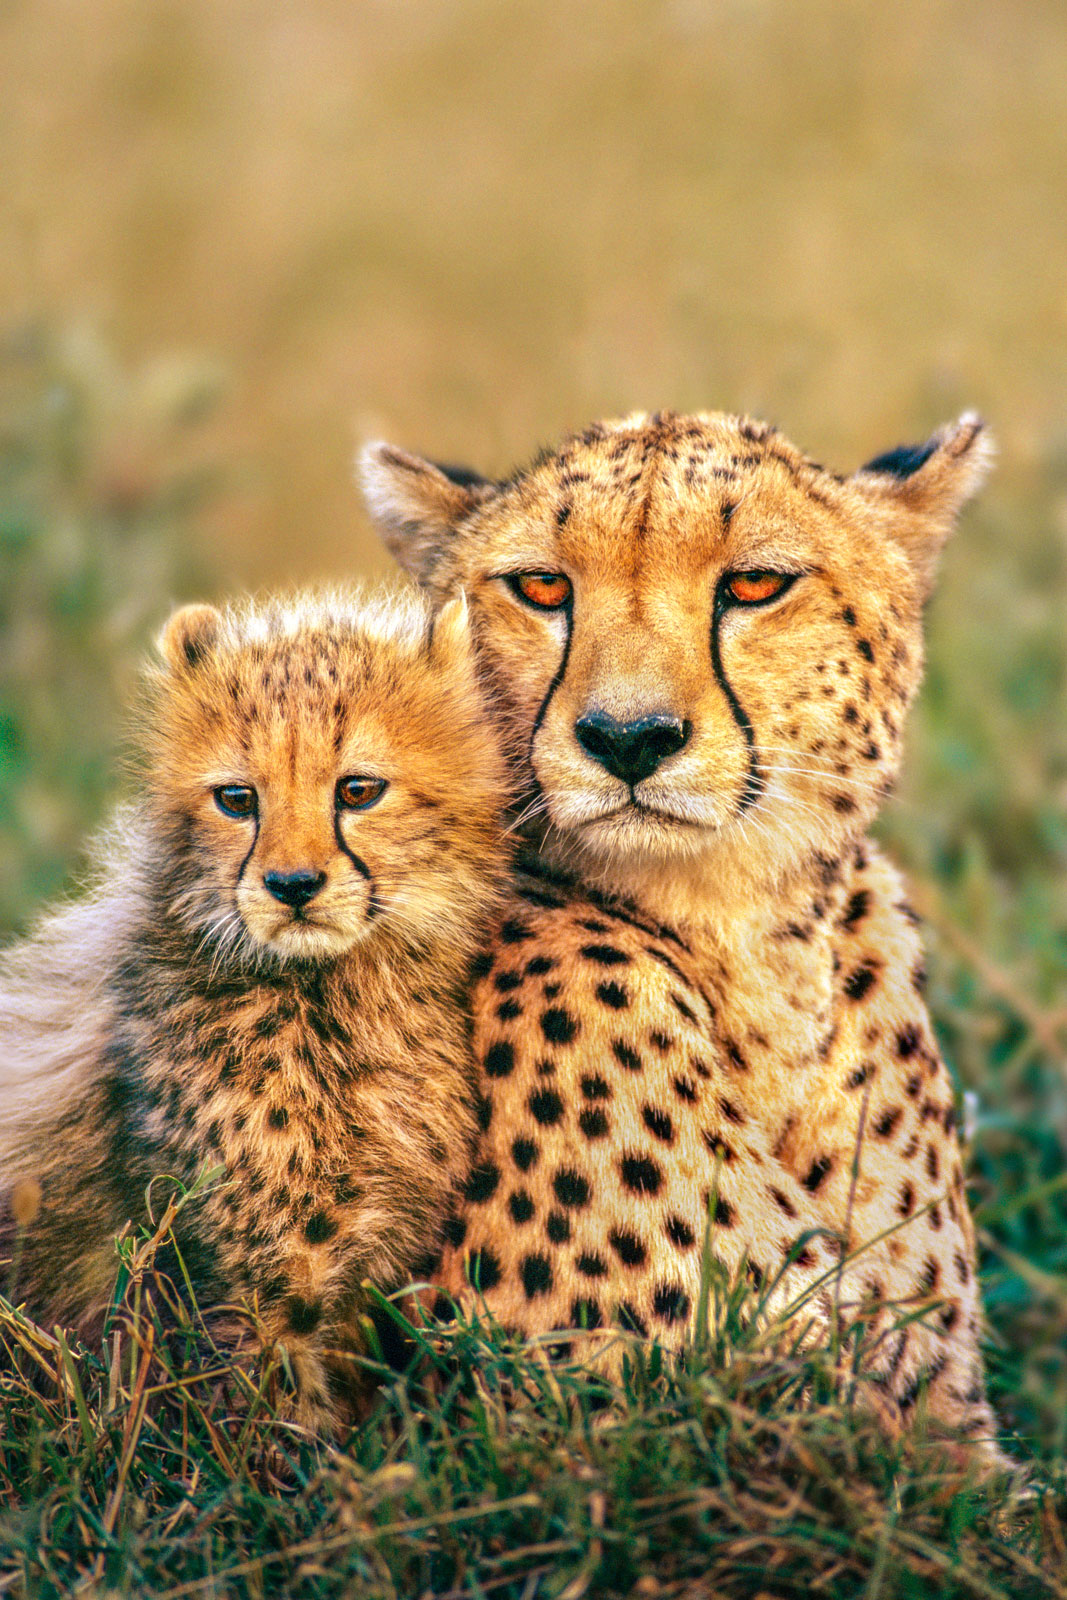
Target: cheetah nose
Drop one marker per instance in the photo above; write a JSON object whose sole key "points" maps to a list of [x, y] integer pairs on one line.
{"points": [[630, 750], [294, 888]]}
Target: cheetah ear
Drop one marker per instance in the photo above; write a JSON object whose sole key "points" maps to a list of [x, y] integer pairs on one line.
{"points": [[189, 635], [923, 486], [417, 504]]}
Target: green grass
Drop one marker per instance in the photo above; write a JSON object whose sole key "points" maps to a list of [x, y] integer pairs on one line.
{"points": [[151, 1464]]}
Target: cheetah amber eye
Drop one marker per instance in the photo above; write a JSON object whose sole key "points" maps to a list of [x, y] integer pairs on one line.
{"points": [[359, 794], [546, 591], [236, 800], [749, 588]]}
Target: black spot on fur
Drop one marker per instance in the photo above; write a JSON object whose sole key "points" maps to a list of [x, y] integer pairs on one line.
{"points": [[861, 980], [628, 1247], [536, 1273], [303, 1316], [613, 995], [888, 1120], [586, 1314], [816, 1173], [907, 1200], [856, 910], [658, 1122], [683, 1009], [557, 1227], [319, 1227], [524, 1153], [508, 1010], [625, 1056], [483, 1110], [849, 616], [546, 1106], [724, 1212], [521, 1206], [595, 1088], [736, 1058], [679, 1233], [685, 1089], [730, 1111], [515, 932], [641, 1175], [558, 1026], [538, 966], [571, 1188], [593, 1123], [630, 1320], [483, 1269], [670, 1303], [455, 1231], [908, 1041], [499, 1059], [591, 1265], [783, 1202], [278, 1117], [857, 1078], [507, 980], [662, 1042], [605, 955], [865, 650], [482, 1183]]}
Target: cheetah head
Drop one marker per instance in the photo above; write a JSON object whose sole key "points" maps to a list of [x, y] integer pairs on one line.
{"points": [[321, 775], [700, 645]]}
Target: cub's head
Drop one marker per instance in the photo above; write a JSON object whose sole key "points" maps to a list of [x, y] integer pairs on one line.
{"points": [[321, 774], [700, 644]]}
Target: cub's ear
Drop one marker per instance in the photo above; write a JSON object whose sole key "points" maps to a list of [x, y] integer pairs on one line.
{"points": [[189, 636], [923, 486], [417, 504]]}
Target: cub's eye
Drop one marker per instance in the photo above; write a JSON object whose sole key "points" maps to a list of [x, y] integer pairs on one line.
{"points": [[749, 588], [546, 591], [236, 800], [357, 794]]}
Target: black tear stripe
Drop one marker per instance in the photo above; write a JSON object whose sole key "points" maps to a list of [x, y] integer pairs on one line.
{"points": [[754, 781], [251, 851], [374, 904], [568, 612]]}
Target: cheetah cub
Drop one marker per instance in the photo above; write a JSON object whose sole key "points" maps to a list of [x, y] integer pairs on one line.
{"points": [[268, 977], [702, 647]]}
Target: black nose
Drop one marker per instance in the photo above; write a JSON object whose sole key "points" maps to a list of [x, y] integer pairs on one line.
{"points": [[294, 888], [630, 750]]}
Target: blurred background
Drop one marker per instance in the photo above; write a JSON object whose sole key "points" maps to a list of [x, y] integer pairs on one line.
{"points": [[237, 239]]}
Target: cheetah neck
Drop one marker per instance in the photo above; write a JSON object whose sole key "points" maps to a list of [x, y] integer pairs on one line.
{"points": [[765, 949]]}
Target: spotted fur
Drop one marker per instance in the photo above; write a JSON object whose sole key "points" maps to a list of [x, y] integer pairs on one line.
{"points": [[786, 961], [313, 1046]]}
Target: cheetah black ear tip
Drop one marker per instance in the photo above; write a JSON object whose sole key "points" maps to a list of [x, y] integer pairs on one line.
{"points": [[959, 454]]}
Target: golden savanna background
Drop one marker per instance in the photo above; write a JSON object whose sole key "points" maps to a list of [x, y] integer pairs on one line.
{"points": [[468, 224], [238, 238]]}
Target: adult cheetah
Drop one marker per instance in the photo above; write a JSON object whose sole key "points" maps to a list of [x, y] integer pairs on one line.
{"points": [[701, 647]]}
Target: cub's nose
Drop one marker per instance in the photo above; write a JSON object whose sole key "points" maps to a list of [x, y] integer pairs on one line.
{"points": [[294, 888], [630, 750]]}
